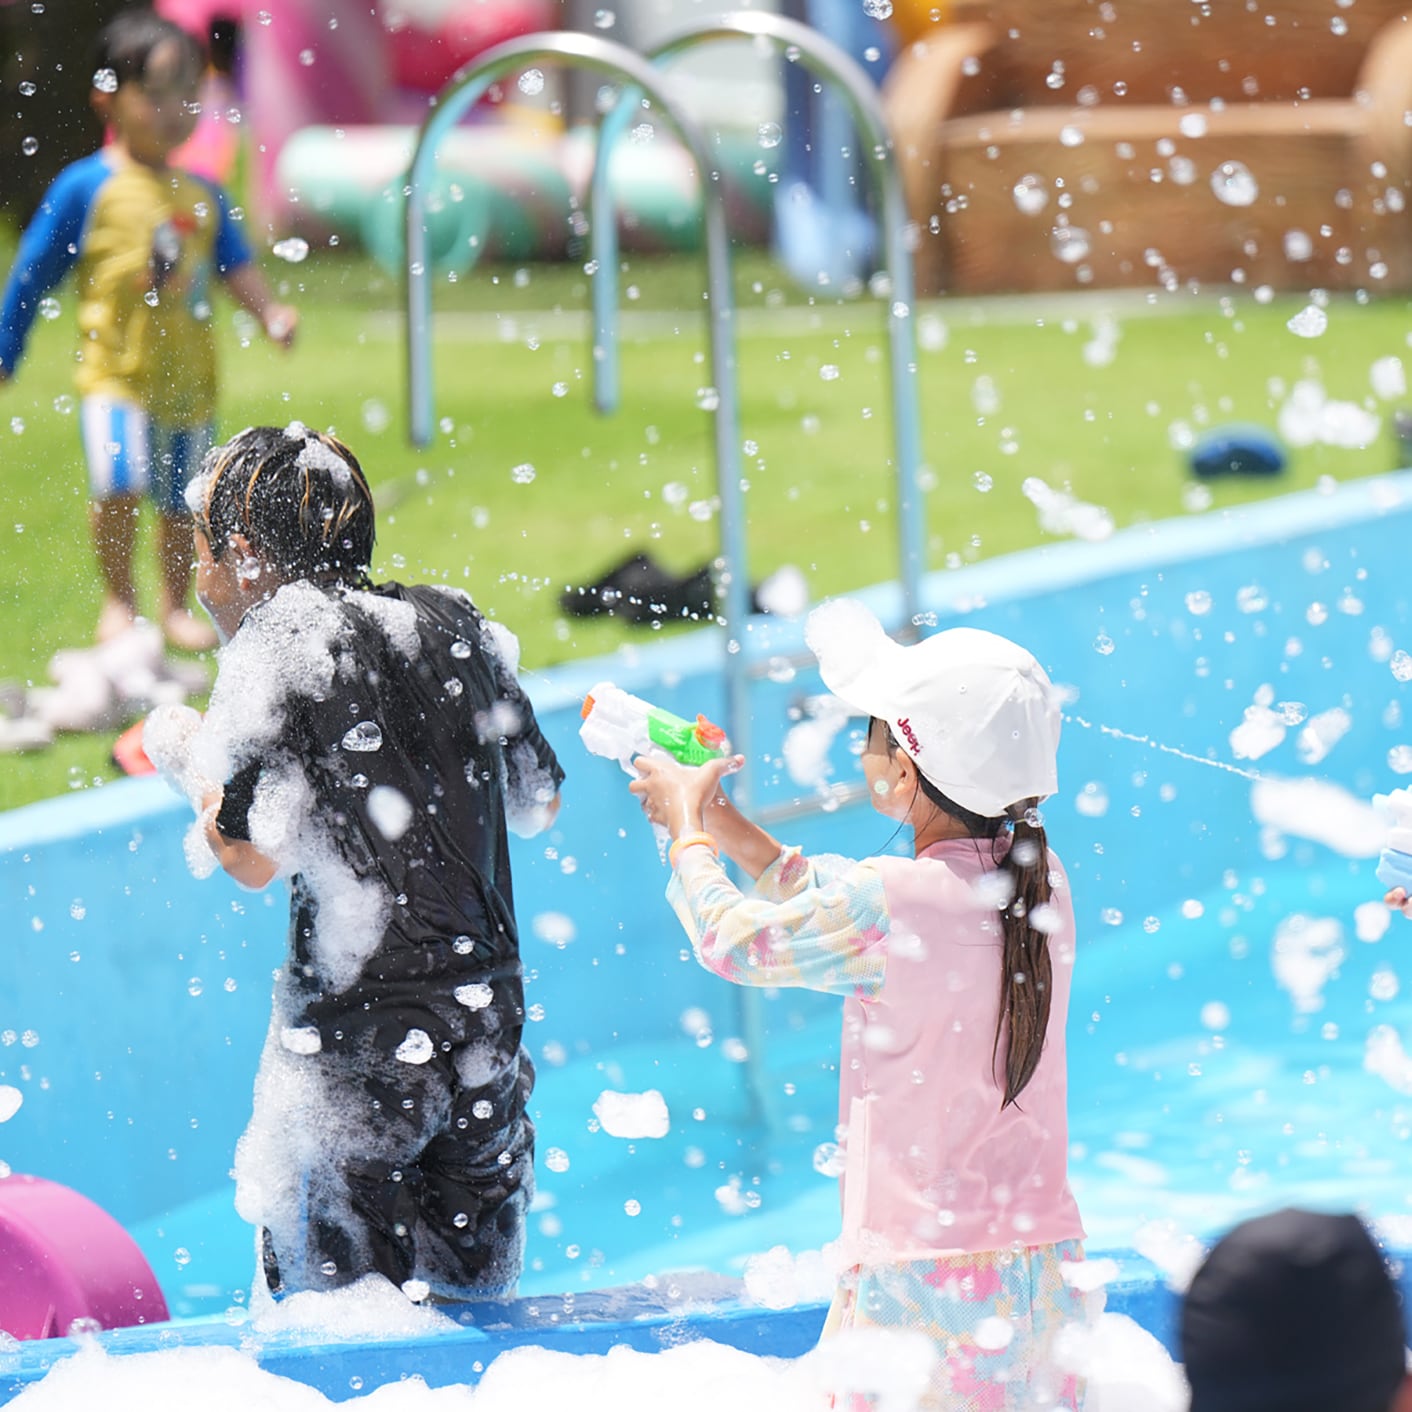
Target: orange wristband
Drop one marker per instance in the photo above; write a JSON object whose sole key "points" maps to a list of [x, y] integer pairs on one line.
{"points": [[690, 840]]}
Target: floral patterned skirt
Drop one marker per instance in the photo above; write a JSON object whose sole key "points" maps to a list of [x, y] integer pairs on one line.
{"points": [[993, 1317]]}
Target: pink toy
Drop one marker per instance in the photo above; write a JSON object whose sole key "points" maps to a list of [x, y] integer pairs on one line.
{"points": [[64, 1258]]}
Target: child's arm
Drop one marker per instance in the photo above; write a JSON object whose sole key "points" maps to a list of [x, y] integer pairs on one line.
{"points": [[238, 857], [689, 799], [249, 289], [745, 843], [831, 938], [47, 251], [243, 278], [817, 933]]}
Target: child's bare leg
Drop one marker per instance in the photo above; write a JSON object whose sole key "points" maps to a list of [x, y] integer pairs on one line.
{"points": [[113, 523], [174, 555]]}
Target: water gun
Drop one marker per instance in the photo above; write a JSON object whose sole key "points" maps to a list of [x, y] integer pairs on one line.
{"points": [[618, 726], [1395, 864]]}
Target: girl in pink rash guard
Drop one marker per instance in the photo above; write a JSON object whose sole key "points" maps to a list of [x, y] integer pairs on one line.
{"points": [[954, 966]]}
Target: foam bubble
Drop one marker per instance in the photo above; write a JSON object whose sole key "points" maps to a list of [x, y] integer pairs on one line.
{"points": [[633, 1115]]}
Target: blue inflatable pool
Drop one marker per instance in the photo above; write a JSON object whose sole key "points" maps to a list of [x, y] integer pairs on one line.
{"points": [[1238, 693]]}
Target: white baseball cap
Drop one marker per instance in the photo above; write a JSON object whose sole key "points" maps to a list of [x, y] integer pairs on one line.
{"points": [[973, 711]]}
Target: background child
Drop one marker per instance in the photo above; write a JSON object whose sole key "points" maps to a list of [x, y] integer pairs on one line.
{"points": [[147, 240], [372, 742], [955, 965]]}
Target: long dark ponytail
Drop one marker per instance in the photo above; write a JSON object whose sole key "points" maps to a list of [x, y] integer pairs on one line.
{"points": [[1026, 973]]}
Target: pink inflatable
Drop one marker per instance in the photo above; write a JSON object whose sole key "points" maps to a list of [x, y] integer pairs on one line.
{"points": [[65, 1258]]}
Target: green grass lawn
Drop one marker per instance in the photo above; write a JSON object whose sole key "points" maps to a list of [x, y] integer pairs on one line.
{"points": [[820, 495]]}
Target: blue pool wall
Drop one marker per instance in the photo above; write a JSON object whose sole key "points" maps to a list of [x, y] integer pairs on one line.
{"points": [[135, 1088]]}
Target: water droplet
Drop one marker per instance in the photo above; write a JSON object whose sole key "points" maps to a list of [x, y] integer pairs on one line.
{"points": [[556, 1159], [632, 1207], [1031, 194], [531, 82], [829, 372], [181, 1255], [29, 90], [1192, 125], [1182, 170], [194, 986], [1071, 136], [293, 249], [560, 389], [1198, 603], [50, 308], [150, 298], [363, 737], [265, 17], [983, 481], [306, 57], [1309, 322], [522, 474], [29, 146], [1103, 644], [1298, 245], [1232, 184], [1111, 917], [707, 399], [769, 134], [1383, 985], [878, 9], [1092, 800], [1399, 759], [1401, 665], [604, 19], [461, 649], [1069, 243]]}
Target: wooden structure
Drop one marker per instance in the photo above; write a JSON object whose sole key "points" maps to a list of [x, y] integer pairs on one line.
{"points": [[1051, 144]]}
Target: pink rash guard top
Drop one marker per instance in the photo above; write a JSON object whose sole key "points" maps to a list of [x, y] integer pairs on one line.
{"points": [[933, 1166]]}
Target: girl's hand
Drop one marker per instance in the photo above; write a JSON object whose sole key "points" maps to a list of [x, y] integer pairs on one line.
{"points": [[1399, 901], [676, 796]]}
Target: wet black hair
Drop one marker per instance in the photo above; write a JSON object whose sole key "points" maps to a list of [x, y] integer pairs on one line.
{"points": [[127, 42], [300, 498], [1026, 971]]}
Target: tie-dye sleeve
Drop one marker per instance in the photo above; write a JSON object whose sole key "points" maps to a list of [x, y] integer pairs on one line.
{"points": [[792, 873], [796, 928]]}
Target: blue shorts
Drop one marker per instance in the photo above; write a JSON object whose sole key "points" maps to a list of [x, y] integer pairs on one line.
{"points": [[130, 454]]}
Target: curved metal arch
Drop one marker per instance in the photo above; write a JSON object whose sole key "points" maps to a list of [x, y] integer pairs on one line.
{"points": [[827, 61]]}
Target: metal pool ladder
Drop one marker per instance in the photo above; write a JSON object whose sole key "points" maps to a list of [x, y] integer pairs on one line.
{"points": [[826, 60]]}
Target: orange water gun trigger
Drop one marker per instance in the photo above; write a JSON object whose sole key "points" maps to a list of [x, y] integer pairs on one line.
{"points": [[708, 734]]}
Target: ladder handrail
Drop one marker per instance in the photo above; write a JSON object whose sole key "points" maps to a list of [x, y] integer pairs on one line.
{"points": [[826, 60], [606, 56]]}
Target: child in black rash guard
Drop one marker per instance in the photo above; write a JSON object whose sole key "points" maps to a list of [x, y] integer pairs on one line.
{"points": [[372, 743]]}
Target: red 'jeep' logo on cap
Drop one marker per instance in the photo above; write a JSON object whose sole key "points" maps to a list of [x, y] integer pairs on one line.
{"points": [[905, 726]]}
